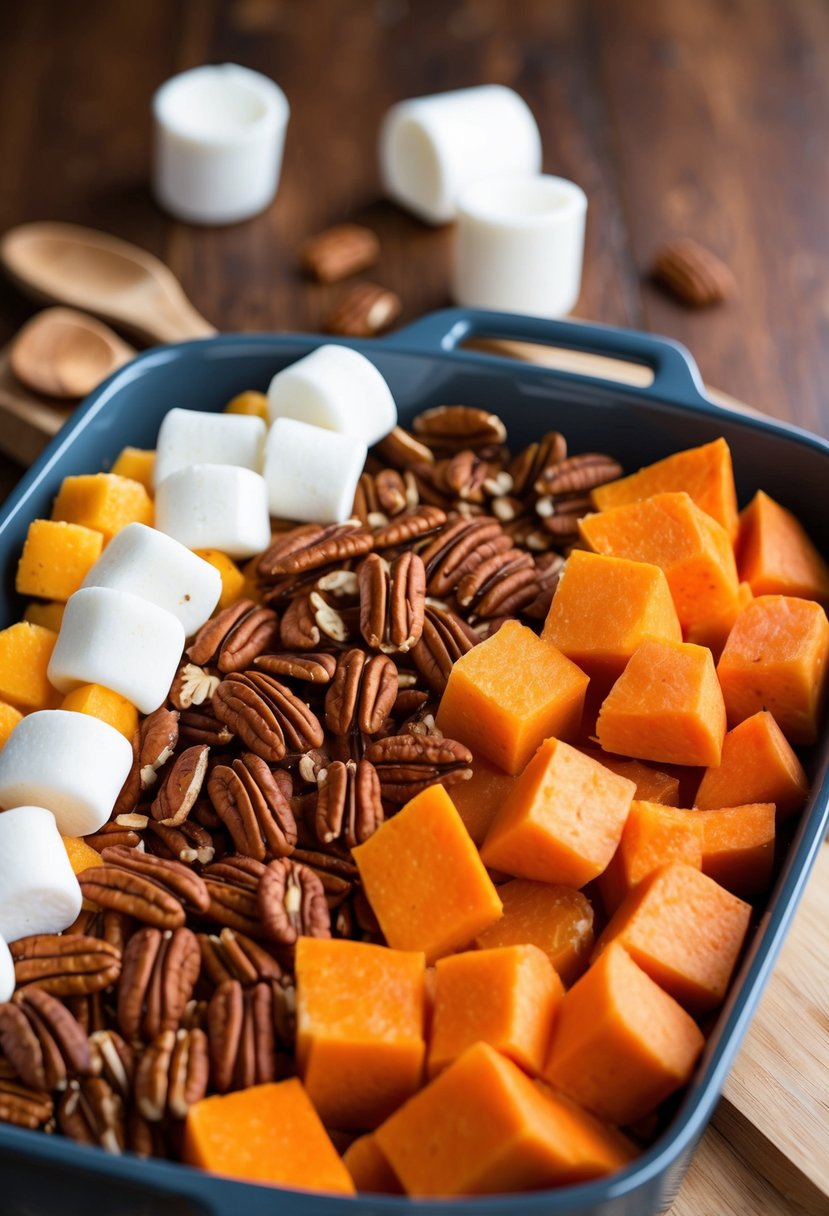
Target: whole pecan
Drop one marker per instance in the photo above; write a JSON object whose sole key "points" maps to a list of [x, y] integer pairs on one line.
{"points": [[392, 598], [65, 964], [459, 548], [362, 693], [449, 427], [233, 638], [233, 956], [182, 786], [42, 1041], [172, 1074], [232, 887], [254, 808], [292, 903], [402, 450], [312, 547], [413, 525], [23, 1106], [407, 764], [190, 842], [349, 803], [92, 1112], [158, 976], [310, 668], [158, 738], [268, 718], [445, 638], [241, 1033], [502, 585]]}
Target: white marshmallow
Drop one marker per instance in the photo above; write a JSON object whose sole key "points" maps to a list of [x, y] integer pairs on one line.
{"points": [[70, 763], [158, 568], [39, 893], [194, 437], [335, 388], [213, 506], [6, 972], [311, 473], [119, 640]]}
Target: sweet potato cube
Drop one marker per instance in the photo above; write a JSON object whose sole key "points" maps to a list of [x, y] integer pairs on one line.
{"points": [[653, 836], [506, 695], [620, 1044], [49, 615], [713, 630], [103, 703], [775, 555], [652, 785], [268, 1134], [563, 820], [56, 558], [483, 1127], [776, 659], [556, 919], [479, 799], [604, 608], [670, 531], [233, 580], [25, 651], [359, 1035], [666, 706], [137, 464], [81, 855], [506, 997], [104, 502], [424, 878], [738, 846], [9, 718], [705, 473], [758, 765], [684, 930], [369, 1169]]}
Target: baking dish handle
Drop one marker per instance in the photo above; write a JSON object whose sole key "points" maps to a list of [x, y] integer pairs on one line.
{"points": [[676, 376]]}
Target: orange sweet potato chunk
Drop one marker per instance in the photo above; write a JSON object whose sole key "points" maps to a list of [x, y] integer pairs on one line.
{"points": [[267, 1134], [369, 1169], [479, 799], [104, 502], [775, 555], [25, 651], [738, 846], [506, 997], [654, 835], [510, 692], [563, 820], [103, 703], [685, 931], [776, 659], [705, 473], [56, 558], [81, 855], [9, 718], [621, 1044], [483, 1127], [359, 1028], [670, 531], [758, 765], [713, 630], [424, 878], [666, 706], [652, 785], [556, 919], [604, 608]]}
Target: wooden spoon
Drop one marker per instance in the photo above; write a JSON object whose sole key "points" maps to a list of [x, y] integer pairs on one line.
{"points": [[65, 353], [27, 420], [66, 264]]}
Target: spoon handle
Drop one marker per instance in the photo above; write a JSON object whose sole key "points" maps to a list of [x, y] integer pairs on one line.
{"points": [[175, 322]]}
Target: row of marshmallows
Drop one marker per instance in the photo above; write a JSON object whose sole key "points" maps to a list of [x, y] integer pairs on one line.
{"points": [[125, 629]]}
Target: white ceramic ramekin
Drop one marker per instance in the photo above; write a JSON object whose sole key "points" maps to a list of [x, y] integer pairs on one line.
{"points": [[219, 135], [519, 247]]}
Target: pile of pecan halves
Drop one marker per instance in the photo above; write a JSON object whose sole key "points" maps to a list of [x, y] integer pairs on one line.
{"points": [[300, 718]]}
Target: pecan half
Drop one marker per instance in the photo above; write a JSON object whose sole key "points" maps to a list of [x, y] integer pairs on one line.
{"points": [[548, 568], [92, 1112], [202, 726], [233, 956], [172, 1074], [42, 1041], [334, 868], [560, 516], [241, 1032], [349, 803], [152, 889], [114, 1060], [122, 830], [459, 426], [392, 598], [311, 547], [157, 742], [693, 274], [268, 718], [339, 251], [362, 693], [22, 1106], [292, 903], [577, 475], [380, 496], [298, 629], [310, 668], [192, 685], [459, 548], [501, 586], [532, 461], [232, 886], [182, 786], [407, 764], [445, 638], [364, 310], [159, 974], [409, 527], [65, 965], [233, 638], [189, 843], [402, 450], [253, 807]]}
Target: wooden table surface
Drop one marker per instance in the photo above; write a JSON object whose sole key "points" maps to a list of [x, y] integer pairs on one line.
{"points": [[704, 118]]}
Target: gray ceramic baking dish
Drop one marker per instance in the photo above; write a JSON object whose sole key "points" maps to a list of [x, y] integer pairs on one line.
{"points": [[425, 365]]}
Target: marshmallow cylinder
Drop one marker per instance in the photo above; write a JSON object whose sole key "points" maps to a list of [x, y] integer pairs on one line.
{"points": [[214, 506], [337, 389], [431, 147], [188, 437], [154, 566], [311, 474], [119, 640], [219, 136], [6, 972], [519, 245], [39, 893], [70, 763]]}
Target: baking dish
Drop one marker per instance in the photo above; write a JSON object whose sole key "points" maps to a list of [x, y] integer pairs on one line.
{"points": [[425, 365]]}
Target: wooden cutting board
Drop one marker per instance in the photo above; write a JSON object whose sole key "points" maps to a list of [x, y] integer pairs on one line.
{"points": [[767, 1150]]}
